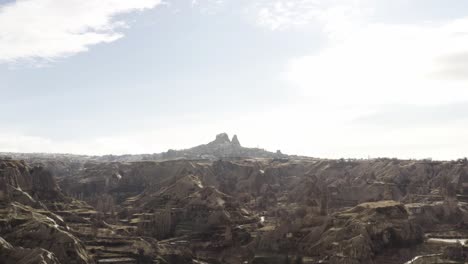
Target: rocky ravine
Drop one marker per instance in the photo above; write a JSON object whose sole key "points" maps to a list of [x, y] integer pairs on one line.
{"points": [[247, 209]]}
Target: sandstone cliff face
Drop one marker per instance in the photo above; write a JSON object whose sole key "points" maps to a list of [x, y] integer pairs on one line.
{"points": [[358, 234], [40, 231], [13, 174], [44, 185], [188, 207], [228, 210], [16, 176], [26, 222], [18, 255], [262, 183], [125, 180]]}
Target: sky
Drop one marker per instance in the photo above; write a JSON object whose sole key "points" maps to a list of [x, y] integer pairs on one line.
{"points": [[322, 78]]}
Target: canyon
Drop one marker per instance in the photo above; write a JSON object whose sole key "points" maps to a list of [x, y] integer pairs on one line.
{"points": [[224, 203]]}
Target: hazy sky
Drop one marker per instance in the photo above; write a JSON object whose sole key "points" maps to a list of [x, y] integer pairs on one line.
{"points": [[325, 78]]}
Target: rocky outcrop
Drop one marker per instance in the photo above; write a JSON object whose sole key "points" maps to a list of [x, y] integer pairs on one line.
{"points": [[215, 205], [44, 185], [18, 255], [125, 180], [188, 207], [347, 182], [29, 228], [235, 141], [17, 178], [221, 147], [13, 175], [357, 235], [222, 138], [26, 222]]}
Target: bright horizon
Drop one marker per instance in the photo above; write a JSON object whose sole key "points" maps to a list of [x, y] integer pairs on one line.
{"points": [[319, 78]]}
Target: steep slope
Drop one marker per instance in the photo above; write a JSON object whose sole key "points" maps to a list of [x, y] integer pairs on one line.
{"points": [[27, 222]]}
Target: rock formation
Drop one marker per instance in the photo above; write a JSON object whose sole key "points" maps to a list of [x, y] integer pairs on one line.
{"points": [[26, 222], [359, 233], [223, 203], [221, 147], [235, 141], [18, 255]]}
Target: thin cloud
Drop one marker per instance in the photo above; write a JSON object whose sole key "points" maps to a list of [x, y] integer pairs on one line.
{"points": [[387, 64], [35, 30], [286, 14], [208, 6]]}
